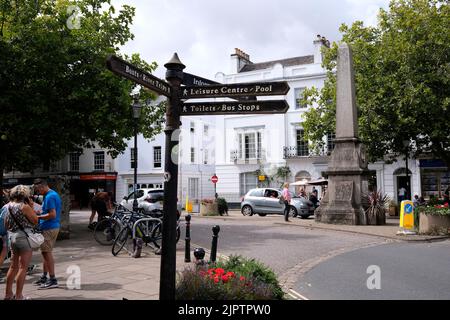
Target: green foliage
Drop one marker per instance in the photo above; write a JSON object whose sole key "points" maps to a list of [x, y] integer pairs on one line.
{"points": [[56, 94], [438, 210], [376, 204], [219, 284], [402, 79], [251, 268]]}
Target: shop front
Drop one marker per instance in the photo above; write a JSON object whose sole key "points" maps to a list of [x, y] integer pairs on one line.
{"points": [[435, 178], [84, 186]]}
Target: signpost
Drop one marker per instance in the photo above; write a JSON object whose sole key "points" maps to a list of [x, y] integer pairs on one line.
{"points": [[215, 179], [197, 87], [234, 107], [236, 90], [127, 70]]}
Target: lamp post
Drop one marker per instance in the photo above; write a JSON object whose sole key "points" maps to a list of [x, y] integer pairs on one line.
{"points": [[136, 115], [406, 145]]}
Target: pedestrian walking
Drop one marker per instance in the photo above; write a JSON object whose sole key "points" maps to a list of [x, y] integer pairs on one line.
{"points": [[20, 217], [287, 200], [401, 194], [49, 223], [100, 204]]}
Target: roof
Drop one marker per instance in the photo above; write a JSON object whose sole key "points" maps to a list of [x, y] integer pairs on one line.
{"points": [[284, 62]]}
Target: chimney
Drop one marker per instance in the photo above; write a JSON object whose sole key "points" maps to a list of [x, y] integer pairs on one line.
{"points": [[318, 44], [238, 60]]}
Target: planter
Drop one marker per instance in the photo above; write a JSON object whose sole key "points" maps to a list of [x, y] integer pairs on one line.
{"points": [[432, 224], [392, 211], [209, 209]]}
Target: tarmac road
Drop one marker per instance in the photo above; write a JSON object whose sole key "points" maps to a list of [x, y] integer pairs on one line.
{"points": [[407, 271]]}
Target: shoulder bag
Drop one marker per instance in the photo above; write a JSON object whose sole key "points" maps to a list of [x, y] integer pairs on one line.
{"points": [[34, 237]]}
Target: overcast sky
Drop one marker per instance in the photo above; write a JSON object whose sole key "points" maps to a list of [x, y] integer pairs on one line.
{"points": [[205, 32]]}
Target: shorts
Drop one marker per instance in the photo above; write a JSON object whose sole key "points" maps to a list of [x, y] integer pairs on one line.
{"points": [[49, 239], [100, 207], [19, 242]]}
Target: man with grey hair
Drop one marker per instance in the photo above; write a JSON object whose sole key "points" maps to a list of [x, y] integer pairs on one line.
{"points": [[49, 223]]}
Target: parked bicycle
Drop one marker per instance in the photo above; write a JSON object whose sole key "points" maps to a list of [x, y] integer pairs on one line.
{"points": [[144, 228], [106, 229]]}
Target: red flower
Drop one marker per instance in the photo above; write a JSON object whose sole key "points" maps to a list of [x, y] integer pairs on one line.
{"points": [[230, 274], [225, 279], [220, 271], [241, 278], [211, 271]]}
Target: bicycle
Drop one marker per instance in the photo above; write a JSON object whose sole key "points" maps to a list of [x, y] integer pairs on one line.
{"points": [[135, 226], [105, 230], [148, 228]]}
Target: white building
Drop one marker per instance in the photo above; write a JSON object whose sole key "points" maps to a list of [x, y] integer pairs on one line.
{"points": [[245, 144], [196, 161]]}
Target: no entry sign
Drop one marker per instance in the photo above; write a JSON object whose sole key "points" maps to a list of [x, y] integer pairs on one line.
{"points": [[214, 179]]}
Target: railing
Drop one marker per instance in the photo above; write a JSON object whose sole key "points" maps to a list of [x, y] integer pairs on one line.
{"points": [[293, 152], [260, 156]]}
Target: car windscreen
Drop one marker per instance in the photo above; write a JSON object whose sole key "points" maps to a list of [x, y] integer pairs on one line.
{"points": [[155, 196]]}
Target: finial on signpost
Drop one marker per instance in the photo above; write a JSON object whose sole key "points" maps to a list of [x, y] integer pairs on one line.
{"points": [[174, 68]]}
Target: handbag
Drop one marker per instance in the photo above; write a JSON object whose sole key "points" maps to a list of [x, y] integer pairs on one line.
{"points": [[33, 236]]}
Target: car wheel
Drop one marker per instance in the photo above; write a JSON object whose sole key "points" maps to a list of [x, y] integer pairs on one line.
{"points": [[293, 212], [305, 216], [247, 210]]}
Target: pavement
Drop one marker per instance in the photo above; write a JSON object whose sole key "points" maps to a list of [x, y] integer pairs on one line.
{"points": [[102, 276], [88, 271]]}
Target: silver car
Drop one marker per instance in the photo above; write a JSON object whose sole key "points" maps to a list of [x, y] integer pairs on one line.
{"points": [[267, 200]]}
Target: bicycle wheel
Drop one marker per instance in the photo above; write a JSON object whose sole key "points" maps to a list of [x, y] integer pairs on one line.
{"points": [[105, 232], [121, 240], [157, 235]]}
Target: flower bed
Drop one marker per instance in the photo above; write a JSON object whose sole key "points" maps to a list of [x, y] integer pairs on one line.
{"points": [[209, 207], [237, 279]]}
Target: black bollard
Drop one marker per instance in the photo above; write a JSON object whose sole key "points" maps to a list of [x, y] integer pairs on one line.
{"points": [[199, 254], [187, 252], [215, 230]]}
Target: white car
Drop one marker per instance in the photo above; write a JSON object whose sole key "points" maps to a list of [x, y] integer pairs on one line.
{"points": [[148, 200]]}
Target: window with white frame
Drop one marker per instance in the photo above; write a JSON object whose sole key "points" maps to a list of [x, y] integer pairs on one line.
{"points": [[99, 161], [298, 92], [247, 181], [132, 160], [302, 144], [330, 141], [250, 145], [205, 156], [157, 157], [192, 155], [74, 161], [193, 188]]}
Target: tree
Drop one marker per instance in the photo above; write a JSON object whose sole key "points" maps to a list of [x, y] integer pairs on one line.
{"points": [[56, 94], [402, 78]]}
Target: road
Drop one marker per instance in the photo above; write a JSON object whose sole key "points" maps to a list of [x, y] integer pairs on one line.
{"points": [[407, 271], [324, 264]]}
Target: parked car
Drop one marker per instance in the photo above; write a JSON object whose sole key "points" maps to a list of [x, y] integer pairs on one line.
{"points": [[148, 200], [263, 201]]}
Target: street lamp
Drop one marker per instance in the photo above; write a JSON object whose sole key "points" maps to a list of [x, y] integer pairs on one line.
{"points": [[136, 115], [406, 145]]}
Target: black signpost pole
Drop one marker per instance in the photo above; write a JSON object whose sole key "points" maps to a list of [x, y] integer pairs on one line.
{"points": [[174, 75]]}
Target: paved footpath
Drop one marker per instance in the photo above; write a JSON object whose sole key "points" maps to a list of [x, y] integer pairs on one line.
{"points": [[103, 276]]}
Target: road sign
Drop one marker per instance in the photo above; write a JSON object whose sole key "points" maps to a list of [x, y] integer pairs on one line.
{"points": [[407, 214], [193, 80], [214, 179], [235, 90], [234, 107], [127, 70]]}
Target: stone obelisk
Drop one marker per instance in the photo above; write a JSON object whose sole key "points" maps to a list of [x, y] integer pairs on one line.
{"points": [[347, 169]]}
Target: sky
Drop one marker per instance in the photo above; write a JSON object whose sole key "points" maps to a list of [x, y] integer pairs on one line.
{"points": [[204, 33]]}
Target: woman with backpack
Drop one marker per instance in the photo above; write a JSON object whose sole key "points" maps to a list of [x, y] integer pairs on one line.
{"points": [[20, 216]]}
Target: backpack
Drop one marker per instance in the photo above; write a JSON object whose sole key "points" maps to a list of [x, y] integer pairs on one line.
{"points": [[3, 214]]}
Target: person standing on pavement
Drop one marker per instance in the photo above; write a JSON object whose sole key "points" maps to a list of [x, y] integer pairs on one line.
{"points": [[49, 223], [20, 218], [287, 200]]}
